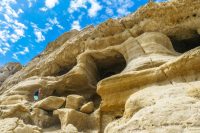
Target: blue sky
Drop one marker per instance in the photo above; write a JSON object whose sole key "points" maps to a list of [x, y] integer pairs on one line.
{"points": [[27, 26]]}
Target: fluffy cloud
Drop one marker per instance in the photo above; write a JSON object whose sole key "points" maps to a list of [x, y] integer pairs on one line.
{"points": [[75, 25], [11, 29], [39, 32], [43, 9], [30, 2], [95, 6], [39, 36], [23, 52], [54, 21], [51, 3], [120, 6]]}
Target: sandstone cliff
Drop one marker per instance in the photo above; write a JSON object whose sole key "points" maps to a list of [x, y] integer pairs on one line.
{"points": [[140, 73]]}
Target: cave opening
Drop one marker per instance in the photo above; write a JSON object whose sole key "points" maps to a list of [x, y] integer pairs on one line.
{"points": [[64, 70], [109, 65], [185, 45]]}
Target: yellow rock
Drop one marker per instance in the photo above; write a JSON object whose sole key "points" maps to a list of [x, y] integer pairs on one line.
{"points": [[140, 72]]}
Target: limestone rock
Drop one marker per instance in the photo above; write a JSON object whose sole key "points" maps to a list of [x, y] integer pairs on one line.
{"points": [[50, 103], [15, 110], [87, 108], [10, 125], [70, 129], [7, 70], [74, 101], [142, 73], [42, 118], [83, 122]]}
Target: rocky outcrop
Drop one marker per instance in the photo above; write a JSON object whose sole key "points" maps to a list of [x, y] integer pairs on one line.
{"points": [[139, 73], [7, 70]]}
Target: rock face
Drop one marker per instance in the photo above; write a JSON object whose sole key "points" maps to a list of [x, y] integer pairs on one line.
{"points": [[137, 74], [7, 70]]}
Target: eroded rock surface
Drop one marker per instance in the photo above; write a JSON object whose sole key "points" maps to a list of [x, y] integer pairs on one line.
{"points": [[8, 70], [50, 103], [140, 73], [15, 125]]}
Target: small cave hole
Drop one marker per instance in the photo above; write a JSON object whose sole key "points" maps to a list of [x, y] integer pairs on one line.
{"points": [[118, 117], [111, 65], [64, 70], [185, 45], [194, 15]]}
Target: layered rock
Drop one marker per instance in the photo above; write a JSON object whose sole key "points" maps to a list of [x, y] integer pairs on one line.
{"points": [[125, 75], [8, 70]]}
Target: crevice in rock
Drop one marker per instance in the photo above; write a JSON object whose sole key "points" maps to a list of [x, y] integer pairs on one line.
{"points": [[185, 45]]}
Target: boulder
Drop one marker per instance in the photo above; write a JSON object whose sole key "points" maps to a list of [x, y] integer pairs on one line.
{"points": [[82, 121], [42, 119], [74, 101], [87, 108], [50, 103]]}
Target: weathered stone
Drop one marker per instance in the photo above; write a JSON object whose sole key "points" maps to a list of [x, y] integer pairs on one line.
{"points": [[50, 103], [42, 119], [137, 70], [10, 125], [74, 101], [7, 70], [15, 110], [87, 108], [83, 122], [70, 129]]}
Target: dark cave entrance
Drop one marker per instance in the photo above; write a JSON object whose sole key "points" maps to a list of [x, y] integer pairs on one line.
{"points": [[185, 45], [109, 65], [63, 70]]}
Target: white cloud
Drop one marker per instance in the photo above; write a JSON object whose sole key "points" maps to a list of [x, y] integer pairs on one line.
{"points": [[39, 32], [54, 21], [109, 11], [23, 52], [75, 25], [30, 3], [3, 51], [39, 36], [11, 30], [44, 9], [93, 9], [51, 3], [120, 6]]}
